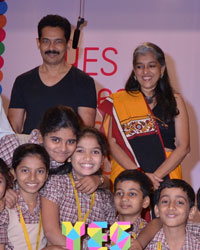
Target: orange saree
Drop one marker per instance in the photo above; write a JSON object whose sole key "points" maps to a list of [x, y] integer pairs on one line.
{"points": [[135, 129]]}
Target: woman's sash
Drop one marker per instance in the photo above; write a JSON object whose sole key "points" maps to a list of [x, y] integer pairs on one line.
{"points": [[135, 129]]}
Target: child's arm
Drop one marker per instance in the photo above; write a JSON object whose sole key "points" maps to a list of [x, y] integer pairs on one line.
{"points": [[2, 247], [50, 222], [52, 248], [148, 233], [89, 184], [11, 198]]}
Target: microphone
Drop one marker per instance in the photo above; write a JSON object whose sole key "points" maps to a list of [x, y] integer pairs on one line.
{"points": [[77, 33], [76, 38]]}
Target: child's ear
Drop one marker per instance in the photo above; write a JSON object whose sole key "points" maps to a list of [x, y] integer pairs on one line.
{"points": [[12, 171], [192, 213], [40, 138], [156, 211], [102, 161], [47, 174], [146, 202], [162, 71], [69, 44]]}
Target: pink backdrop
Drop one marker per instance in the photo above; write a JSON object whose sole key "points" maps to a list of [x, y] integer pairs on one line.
{"points": [[114, 28]]}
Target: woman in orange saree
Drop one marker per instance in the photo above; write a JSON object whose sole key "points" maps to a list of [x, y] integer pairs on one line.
{"points": [[147, 123]]}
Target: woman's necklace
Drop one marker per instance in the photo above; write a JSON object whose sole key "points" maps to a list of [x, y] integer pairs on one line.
{"points": [[149, 99]]}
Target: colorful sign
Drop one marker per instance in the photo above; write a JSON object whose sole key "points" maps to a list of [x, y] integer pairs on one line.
{"points": [[120, 239]]}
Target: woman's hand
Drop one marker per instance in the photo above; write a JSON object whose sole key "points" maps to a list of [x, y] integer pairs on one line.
{"points": [[182, 140], [154, 179], [88, 184], [11, 198]]}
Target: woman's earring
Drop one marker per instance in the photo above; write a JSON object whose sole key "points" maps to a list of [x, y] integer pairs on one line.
{"points": [[161, 76], [135, 78]]}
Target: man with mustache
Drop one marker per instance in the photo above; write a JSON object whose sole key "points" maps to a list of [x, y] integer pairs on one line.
{"points": [[53, 83]]}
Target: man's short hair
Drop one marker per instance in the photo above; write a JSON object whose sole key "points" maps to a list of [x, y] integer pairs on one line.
{"points": [[55, 21], [176, 183], [198, 199], [135, 176]]}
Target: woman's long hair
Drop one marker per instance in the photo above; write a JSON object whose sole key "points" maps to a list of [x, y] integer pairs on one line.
{"points": [[163, 91]]}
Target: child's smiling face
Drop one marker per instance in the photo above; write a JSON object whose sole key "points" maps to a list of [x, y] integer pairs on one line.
{"points": [[87, 158], [60, 144], [129, 200], [31, 174], [173, 207]]}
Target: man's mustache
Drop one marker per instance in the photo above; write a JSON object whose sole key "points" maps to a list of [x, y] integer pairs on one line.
{"points": [[52, 52]]}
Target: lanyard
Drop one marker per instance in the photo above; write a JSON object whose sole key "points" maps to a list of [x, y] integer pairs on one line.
{"points": [[140, 226], [78, 202], [159, 245], [26, 232]]}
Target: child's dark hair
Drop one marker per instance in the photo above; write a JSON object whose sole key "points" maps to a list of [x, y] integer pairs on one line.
{"points": [[30, 149], [91, 131], [176, 183], [101, 139], [4, 170], [135, 176], [198, 199], [59, 117]]}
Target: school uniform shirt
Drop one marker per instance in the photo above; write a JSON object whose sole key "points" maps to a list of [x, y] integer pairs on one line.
{"points": [[11, 230], [3, 227], [193, 228], [10, 142], [190, 243], [59, 190]]}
